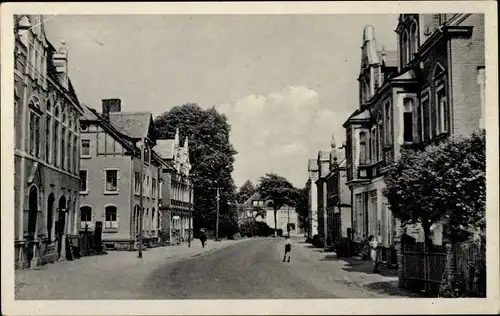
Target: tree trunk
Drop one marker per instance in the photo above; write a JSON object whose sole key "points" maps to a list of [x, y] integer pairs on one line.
{"points": [[427, 231], [275, 223]]}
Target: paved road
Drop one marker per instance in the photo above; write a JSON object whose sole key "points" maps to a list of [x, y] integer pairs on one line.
{"points": [[249, 270], [243, 269]]}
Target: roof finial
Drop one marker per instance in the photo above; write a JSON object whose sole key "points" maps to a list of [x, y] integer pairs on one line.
{"points": [[332, 142]]}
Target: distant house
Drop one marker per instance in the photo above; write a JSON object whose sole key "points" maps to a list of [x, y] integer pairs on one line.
{"points": [[110, 167], [176, 190], [287, 214]]}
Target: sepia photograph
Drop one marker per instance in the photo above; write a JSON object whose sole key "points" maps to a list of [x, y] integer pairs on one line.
{"points": [[203, 156]]}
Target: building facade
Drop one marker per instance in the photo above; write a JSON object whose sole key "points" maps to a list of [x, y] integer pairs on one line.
{"points": [[312, 169], [177, 200], [111, 164], [262, 210], [338, 198], [432, 89], [46, 113], [323, 163]]}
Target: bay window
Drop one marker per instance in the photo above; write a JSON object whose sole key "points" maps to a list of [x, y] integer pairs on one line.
{"points": [[408, 120]]}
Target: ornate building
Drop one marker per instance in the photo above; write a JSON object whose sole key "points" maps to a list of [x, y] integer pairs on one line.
{"points": [[46, 150], [433, 89], [177, 190], [312, 169]]}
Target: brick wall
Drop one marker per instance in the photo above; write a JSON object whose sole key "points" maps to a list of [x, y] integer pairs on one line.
{"points": [[467, 54]]}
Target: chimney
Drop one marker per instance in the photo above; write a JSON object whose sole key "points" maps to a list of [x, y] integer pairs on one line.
{"points": [[111, 106], [60, 60]]}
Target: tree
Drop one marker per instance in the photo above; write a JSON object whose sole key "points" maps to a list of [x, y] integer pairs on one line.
{"points": [[279, 191], [211, 155], [445, 181], [246, 190], [302, 204]]}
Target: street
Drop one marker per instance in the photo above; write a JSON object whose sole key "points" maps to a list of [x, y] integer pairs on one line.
{"points": [[243, 269]]}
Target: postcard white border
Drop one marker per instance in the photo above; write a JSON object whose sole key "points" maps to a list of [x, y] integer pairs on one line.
{"points": [[247, 307]]}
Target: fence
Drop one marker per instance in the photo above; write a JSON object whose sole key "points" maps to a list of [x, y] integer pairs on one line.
{"points": [[423, 268], [471, 267]]}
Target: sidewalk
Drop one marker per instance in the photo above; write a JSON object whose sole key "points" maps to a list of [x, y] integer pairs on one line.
{"points": [[110, 276], [351, 271]]}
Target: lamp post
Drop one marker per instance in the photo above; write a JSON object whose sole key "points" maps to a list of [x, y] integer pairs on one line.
{"points": [[140, 198], [190, 187]]}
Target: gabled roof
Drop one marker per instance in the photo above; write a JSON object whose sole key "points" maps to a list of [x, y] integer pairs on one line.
{"points": [[88, 114], [165, 148], [255, 196], [132, 124]]}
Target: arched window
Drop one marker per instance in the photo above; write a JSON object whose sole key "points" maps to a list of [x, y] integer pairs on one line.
{"points": [[388, 122], [111, 217], [34, 125], [408, 120], [85, 217], [153, 222], [362, 148], [442, 110], [50, 216], [413, 39], [405, 48]]}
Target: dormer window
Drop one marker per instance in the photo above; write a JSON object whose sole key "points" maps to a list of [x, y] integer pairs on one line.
{"points": [[405, 49], [413, 39]]}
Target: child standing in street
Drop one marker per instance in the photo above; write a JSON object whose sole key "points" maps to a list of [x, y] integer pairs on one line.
{"points": [[288, 249], [374, 252]]}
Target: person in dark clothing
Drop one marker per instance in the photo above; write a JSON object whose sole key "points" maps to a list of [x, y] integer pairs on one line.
{"points": [[288, 249], [203, 238]]}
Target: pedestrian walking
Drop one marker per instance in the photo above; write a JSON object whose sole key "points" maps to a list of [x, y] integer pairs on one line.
{"points": [[203, 238], [288, 249], [374, 252]]}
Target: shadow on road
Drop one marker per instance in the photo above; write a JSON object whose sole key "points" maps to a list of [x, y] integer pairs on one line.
{"points": [[365, 266], [391, 288]]}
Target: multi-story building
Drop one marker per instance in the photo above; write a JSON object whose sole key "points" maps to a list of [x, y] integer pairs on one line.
{"points": [[46, 113], [312, 169], [111, 164], [177, 200], [323, 163], [433, 89], [338, 197], [262, 211]]}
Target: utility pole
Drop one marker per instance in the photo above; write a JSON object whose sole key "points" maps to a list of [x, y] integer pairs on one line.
{"points": [[217, 220], [190, 211], [140, 198]]}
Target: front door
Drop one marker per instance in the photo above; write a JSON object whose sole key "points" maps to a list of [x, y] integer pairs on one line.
{"points": [[60, 226]]}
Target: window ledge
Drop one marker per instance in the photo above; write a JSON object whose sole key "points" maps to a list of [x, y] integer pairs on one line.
{"points": [[110, 230], [111, 192], [84, 192], [85, 157]]}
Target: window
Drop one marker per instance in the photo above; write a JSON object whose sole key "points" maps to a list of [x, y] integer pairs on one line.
{"points": [[76, 159], [63, 147], [426, 117], [154, 187], [84, 181], [111, 215], [85, 217], [404, 49], [48, 137], [111, 181], [34, 134], [70, 153], [147, 186], [373, 145], [362, 148], [137, 183], [418, 123], [413, 39], [441, 111], [388, 122], [85, 148], [380, 140], [408, 120], [55, 137]]}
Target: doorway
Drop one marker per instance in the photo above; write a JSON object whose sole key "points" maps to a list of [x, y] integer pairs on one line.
{"points": [[61, 224], [32, 217]]}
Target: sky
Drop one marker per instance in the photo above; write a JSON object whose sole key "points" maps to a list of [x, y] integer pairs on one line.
{"points": [[287, 83]]}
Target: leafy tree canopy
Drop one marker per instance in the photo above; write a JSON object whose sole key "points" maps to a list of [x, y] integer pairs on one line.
{"points": [[443, 182], [246, 190], [302, 204], [279, 191], [211, 155]]}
